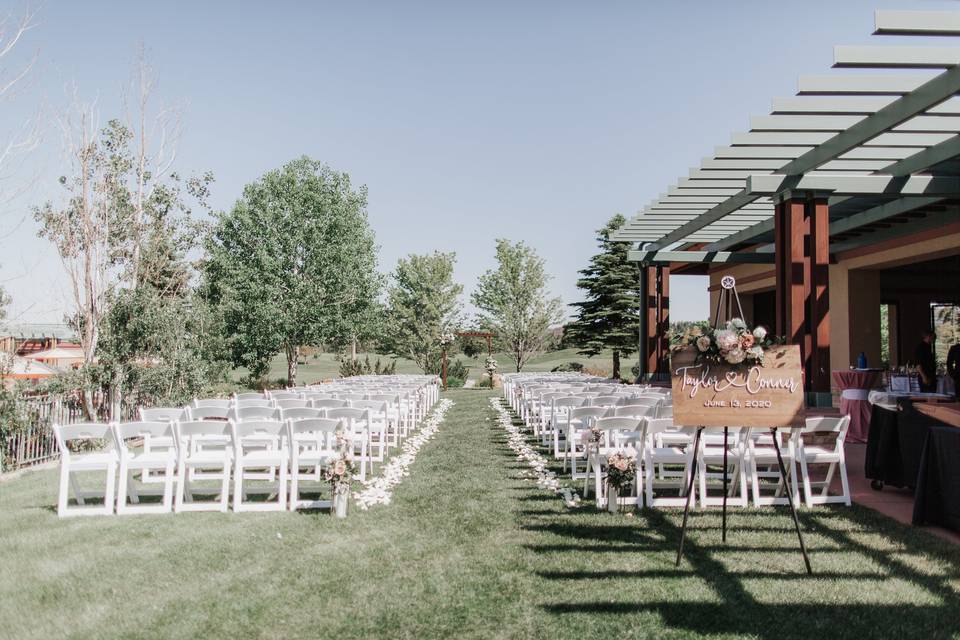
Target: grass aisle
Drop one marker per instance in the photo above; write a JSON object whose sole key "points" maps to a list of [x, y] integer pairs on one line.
{"points": [[468, 548]]}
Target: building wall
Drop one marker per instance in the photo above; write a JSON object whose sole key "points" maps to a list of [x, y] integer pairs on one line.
{"points": [[855, 293]]}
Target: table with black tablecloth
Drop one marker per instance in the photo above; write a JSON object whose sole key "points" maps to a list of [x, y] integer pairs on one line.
{"points": [[937, 497], [895, 444]]}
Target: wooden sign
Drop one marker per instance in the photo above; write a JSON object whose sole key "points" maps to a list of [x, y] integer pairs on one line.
{"points": [[714, 395]]}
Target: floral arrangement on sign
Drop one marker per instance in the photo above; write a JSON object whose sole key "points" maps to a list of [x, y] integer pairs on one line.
{"points": [[446, 339], [734, 344], [621, 470]]}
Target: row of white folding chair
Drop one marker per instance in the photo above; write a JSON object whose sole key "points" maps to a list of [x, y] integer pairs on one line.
{"points": [[198, 445], [371, 444], [750, 453], [561, 408]]}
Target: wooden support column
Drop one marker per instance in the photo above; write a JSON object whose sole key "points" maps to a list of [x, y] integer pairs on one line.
{"points": [[657, 296], [801, 231], [819, 303]]}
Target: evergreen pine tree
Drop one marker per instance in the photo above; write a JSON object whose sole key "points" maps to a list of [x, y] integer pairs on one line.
{"points": [[609, 317]]}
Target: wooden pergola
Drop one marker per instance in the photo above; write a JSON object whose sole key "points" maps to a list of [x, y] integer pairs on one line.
{"points": [[466, 334], [849, 162]]}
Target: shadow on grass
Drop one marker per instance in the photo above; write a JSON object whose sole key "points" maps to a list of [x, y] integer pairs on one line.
{"points": [[750, 612]]}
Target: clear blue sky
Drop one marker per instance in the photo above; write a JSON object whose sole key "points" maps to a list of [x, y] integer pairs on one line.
{"points": [[532, 120]]}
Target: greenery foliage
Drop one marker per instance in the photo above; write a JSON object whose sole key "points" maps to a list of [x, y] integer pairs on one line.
{"points": [[362, 367], [293, 264], [514, 302], [423, 304], [609, 318]]}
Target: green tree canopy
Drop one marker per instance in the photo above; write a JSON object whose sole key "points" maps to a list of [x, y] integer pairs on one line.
{"points": [[293, 264], [423, 303], [514, 302], [609, 318]]}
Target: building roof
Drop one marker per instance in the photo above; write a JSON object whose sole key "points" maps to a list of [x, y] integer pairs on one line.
{"points": [[28, 330], [881, 147], [56, 353], [18, 367]]}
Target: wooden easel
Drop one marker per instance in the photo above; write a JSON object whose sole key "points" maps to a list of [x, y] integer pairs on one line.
{"points": [[728, 283]]}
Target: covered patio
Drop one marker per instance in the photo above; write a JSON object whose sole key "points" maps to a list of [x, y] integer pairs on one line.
{"points": [[844, 198]]}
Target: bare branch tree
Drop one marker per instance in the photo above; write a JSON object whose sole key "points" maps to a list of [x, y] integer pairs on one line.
{"points": [[163, 128], [26, 136]]}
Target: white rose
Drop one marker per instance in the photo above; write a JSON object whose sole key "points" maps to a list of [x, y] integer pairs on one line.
{"points": [[703, 343], [735, 355], [759, 333], [726, 340]]}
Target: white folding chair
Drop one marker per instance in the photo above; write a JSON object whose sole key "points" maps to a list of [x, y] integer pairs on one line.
{"points": [[204, 453], [244, 404], [223, 403], [249, 453], [105, 460], [712, 455], [356, 425], [394, 416], [377, 426], [617, 434], [299, 413], [242, 414], [253, 395], [829, 454], [207, 413], [329, 403], [312, 444], [290, 403], [132, 461], [579, 420], [665, 458], [762, 464], [158, 414], [276, 396]]}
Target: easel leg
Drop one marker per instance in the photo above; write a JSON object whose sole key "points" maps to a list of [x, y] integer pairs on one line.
{"points": [[793, 510], [693, 474], [725, 480]]}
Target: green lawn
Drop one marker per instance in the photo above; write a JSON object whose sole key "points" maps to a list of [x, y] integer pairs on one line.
{"points": [[326, 365], [468, 548]]}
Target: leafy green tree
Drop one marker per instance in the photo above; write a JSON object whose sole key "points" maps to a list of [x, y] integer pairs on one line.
{"points": [[515, 304], [292, 264], [609, 317], [423, 303]]}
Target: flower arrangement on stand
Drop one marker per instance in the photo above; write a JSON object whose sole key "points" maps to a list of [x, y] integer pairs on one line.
{"points": [[621, 472], [734, 344], [339, 473], [446, 339], [490, 365]]}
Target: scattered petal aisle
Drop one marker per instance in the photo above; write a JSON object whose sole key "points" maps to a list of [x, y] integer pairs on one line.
{"points": [[517, 441], [379, 490]]}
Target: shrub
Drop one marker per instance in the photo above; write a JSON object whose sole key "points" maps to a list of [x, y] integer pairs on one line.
{"points": [[456, 369], [364, 367], [569, 366], [454, 383]]}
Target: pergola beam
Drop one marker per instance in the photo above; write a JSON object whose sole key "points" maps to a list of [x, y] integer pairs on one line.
{"points": [[906, 57], [848, 85], [712, 257], [938, 186], [917, 23]]}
